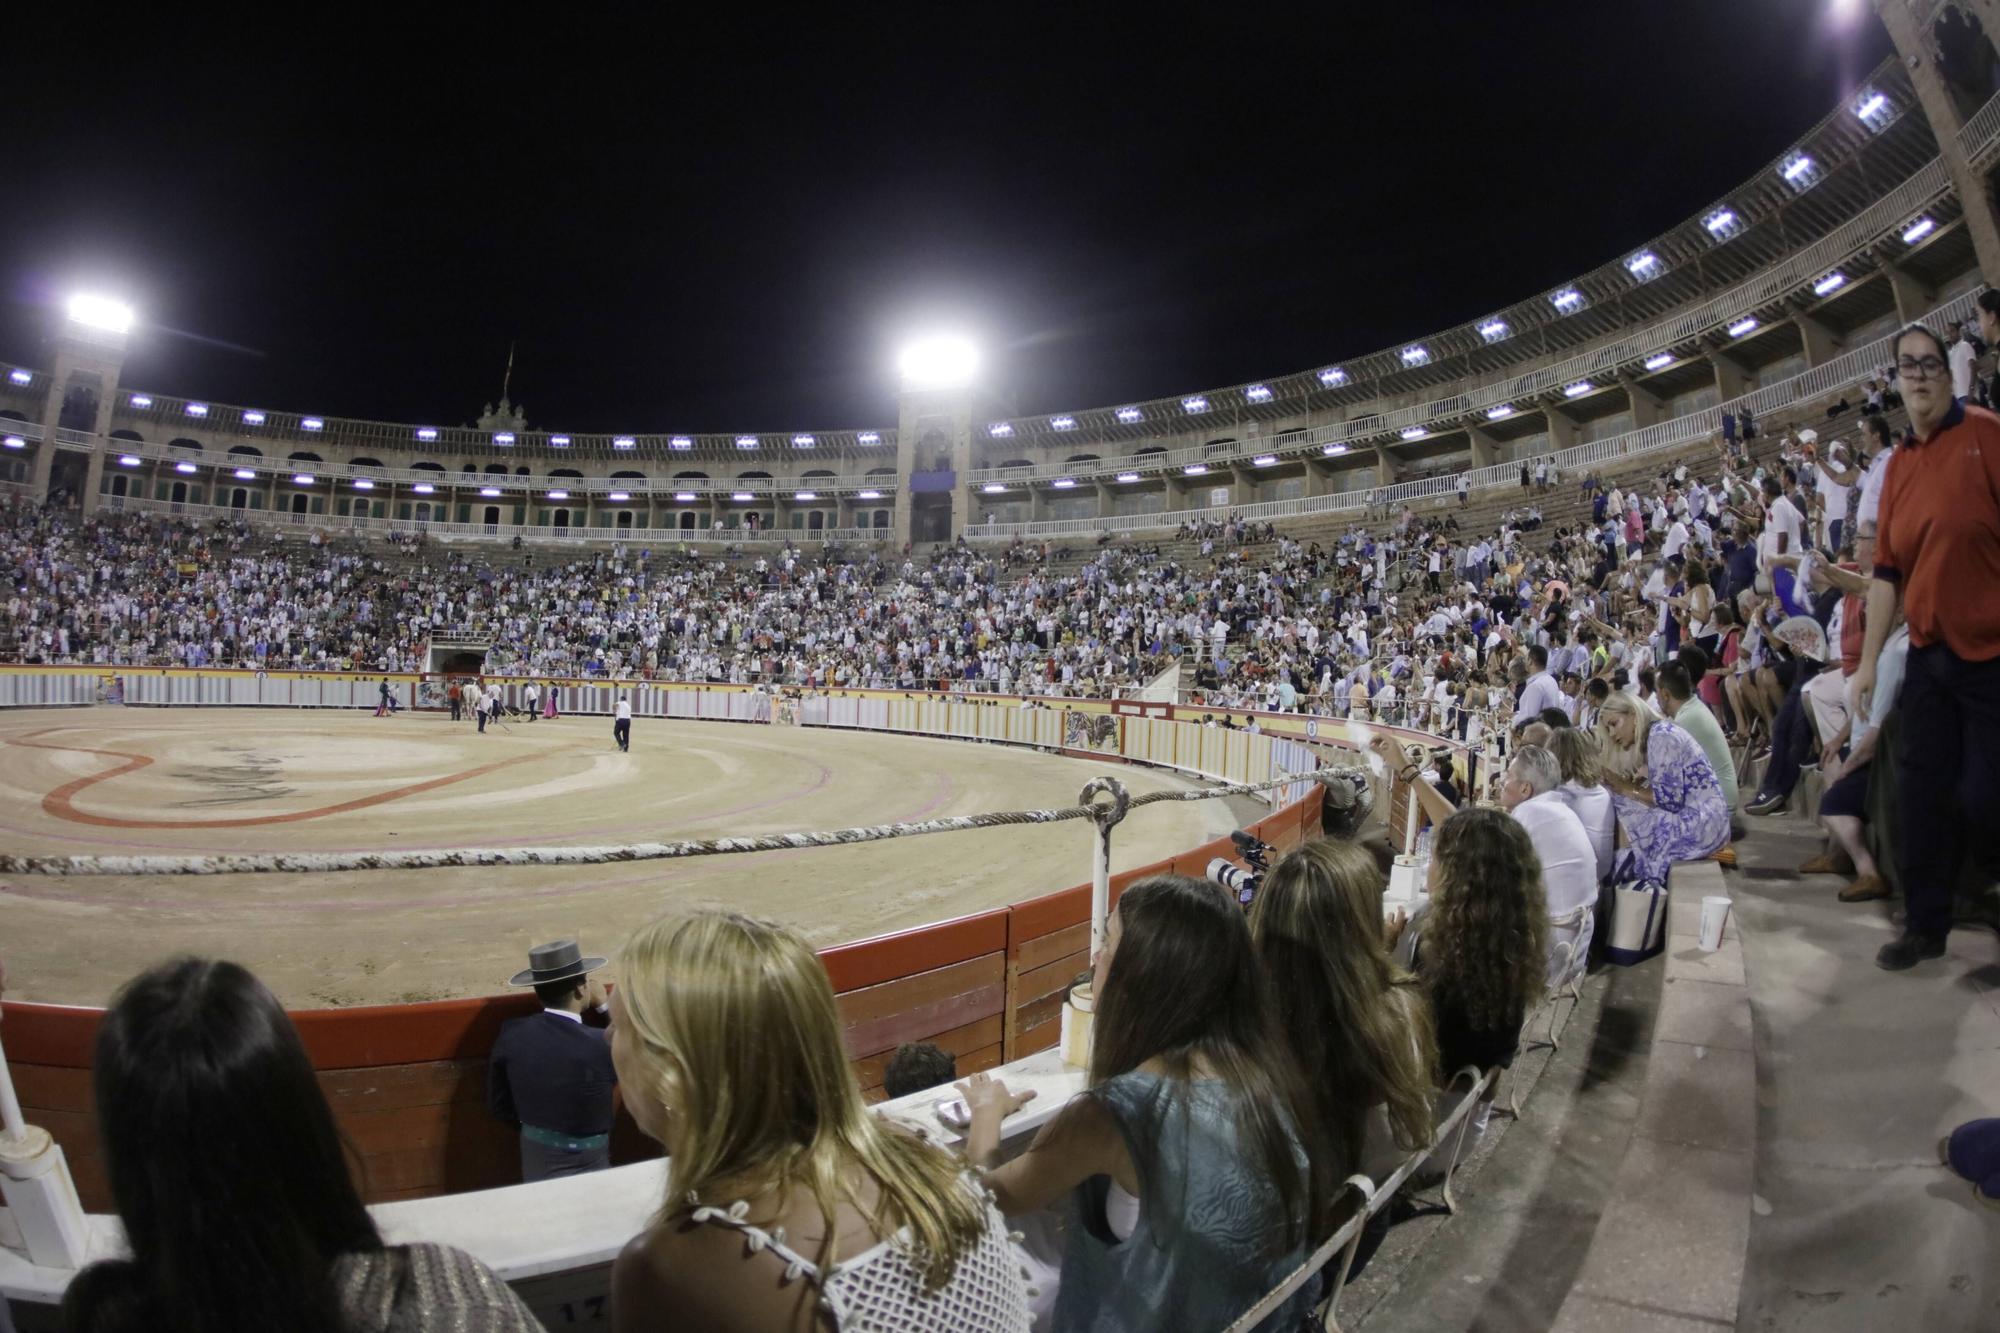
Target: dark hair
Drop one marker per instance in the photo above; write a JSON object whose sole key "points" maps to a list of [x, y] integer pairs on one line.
{"points": [[224, 1162], [917, 1065], [1697, 573], [1695, 658], [1989, 301], [1598, 689], [1554, 719], [1915, 330], [1539, 656], [1185, 984], [558, 994], [1883, 435], [1771, 486], [1674, 681]]}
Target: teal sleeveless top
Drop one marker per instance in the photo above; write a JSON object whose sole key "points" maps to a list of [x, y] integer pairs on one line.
{"points": [[1203, 1251]]}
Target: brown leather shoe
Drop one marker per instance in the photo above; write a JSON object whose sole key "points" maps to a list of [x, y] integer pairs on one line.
{"points": [[1866, 889], [1828, 863]]}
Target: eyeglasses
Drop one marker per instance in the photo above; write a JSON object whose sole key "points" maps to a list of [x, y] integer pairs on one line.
{"points": [[1910, 368]]}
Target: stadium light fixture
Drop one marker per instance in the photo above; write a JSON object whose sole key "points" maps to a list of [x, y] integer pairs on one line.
{"points": [[558, 495], [558, 441], [681, 442], [740, 496], [1503, 410], [869, 495], [1064, 483], [197, 409], [363, 484], [490, 492], [1128, 476], [1333, 377], [1195, 404], [427, 432], [1258, 393], [99, 312], [944, 361], [684, 497], [1494, 330], [245, 474], [184, 468], [21, 376], [1748, 324], [1917, 230], [1567, 301], [1128, 415], [311, 423], [1062, 423], [1659, 360], [302, 479], [993, 488], [1800, 172], [805, 495], [1645, 266], [618, 497], [421, 488], [253, 418], [868, 437], [1000, 430], [1195, 470], [1416, 355], [505, 439], [1413, 432], [1722, 224], [1830, 284], [624, 442], [138, 399], [1264, 460], [13, 442], [128, 460], [803, 441], [1578, 389], [1874, 110], [1333, 450]]}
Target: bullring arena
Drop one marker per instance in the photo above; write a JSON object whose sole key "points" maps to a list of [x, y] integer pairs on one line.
{"points": [[213, 782]]}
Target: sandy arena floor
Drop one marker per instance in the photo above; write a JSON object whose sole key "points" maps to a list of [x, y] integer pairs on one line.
{"points": [[111, 781]]}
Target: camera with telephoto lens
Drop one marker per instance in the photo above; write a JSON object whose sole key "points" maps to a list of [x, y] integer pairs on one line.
{"points": [[1242, 882]]}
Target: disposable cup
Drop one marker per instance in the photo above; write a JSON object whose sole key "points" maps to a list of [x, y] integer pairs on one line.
{"points": [[1714, 915]]}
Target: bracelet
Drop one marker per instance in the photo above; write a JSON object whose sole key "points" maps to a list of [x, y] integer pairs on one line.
{"points": [[1409, 772]]}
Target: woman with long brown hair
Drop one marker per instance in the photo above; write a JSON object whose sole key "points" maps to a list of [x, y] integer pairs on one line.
{"points": [[1358, 1025], [1198, 1173]]}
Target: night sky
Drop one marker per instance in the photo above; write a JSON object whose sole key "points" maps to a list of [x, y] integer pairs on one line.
{"points": [[732, 223]]}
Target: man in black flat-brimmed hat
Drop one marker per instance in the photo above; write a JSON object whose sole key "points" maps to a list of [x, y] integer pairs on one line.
{"points": [[549, 1074]]}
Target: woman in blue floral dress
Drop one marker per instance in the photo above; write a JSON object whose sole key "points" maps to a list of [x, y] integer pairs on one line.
{"points": [[1668, 799]]}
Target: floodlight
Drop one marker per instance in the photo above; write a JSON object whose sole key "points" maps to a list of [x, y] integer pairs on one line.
{"points": [[869, 495], [421, 488], [1874, 110], [138, 399], [21, 376], [1569, 300], [245, 474], [1333, 377], [680, 442], [1416, 355], [1128, 415], [302, 479], [1062, 423], [253, 418], [1917, 230], [14, 442], [803, 442], [1264, 460], [940, 362], [1504, 410], [1195, 469], [746, 442], [197, 409], [1742, 326], [999, 430], [1414, 432], [489, 492], [1128, 476], [741, 495], [1578, 389], [128, 461], [1331, 449], [363, 484], [1799, 171], [311, 423], [100, 313], [1643, 265], [1195, 404], [558, 495], [1722, 224], [805, 495], [1659, 360], [1258, 393], [624, 442], [184, 467], [684, 497], [1064, 483], [618, 497], [558, 441], [426, 433], [868, 437], [1829, 284], [504, 439], [993, 488], [1493, 330]]}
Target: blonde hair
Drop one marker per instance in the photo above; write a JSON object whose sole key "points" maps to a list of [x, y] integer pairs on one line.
{"points": [[736, 1029], [1577, 752], [1625, 761]]}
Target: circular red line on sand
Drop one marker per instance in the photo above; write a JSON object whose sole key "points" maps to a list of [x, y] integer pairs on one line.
{"points": [[61, 802]]}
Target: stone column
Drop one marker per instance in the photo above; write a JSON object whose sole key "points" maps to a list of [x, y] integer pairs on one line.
{"points": [[1939, 107], [1387, 468], [1562, 431], [1646, 409], [1822, 344], [1485, 449], [1730, 379], [1913, 295]]}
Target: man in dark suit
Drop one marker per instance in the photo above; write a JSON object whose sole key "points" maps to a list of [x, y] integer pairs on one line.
{"points": [[550, 1074]]}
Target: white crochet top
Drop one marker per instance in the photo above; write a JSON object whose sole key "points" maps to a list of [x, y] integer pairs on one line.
{"points": [[881, 1289]]}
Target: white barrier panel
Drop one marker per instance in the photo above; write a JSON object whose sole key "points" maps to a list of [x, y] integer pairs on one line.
{"points": [[55, 690]]}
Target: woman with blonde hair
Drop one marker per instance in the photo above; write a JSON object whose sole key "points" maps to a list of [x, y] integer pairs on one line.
{"points": [[1358, 1025], [1665, 791], [789, 1204], [1583, 791]]}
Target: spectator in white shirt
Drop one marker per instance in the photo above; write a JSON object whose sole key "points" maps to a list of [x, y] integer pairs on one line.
{"points": [[1962, 356], [1541, 691], [1569, 862], [1584, 792]]}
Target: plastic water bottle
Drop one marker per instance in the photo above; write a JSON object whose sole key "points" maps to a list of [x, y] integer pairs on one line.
{"points": [[1422, 855]]}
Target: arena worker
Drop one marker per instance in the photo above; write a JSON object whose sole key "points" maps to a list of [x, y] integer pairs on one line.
{"points": [[1937, 566], [621, 728], [550, 1074]]}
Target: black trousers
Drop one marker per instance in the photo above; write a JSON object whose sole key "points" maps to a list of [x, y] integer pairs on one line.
{"points": [[621, 731], [1947, 773], [454, 710]]}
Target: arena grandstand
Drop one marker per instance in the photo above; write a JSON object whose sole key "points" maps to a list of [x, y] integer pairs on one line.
{"points": [[1366, 602]]}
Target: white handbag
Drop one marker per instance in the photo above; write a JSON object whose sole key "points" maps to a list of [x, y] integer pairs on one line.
{"points": [[1638, 917]]}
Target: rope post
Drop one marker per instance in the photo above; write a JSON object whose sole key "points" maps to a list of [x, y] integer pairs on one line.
{"points": [[1106, 816], [35, 1181]]}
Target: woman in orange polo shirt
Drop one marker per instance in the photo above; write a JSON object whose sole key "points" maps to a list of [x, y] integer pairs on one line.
{"points": [[1937, 565]]}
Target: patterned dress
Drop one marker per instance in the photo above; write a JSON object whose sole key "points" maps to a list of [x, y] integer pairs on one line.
{"points": [[1689, 818]]}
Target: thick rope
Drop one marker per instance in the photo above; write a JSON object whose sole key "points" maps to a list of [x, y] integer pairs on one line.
{"points": [[275, 862]]}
